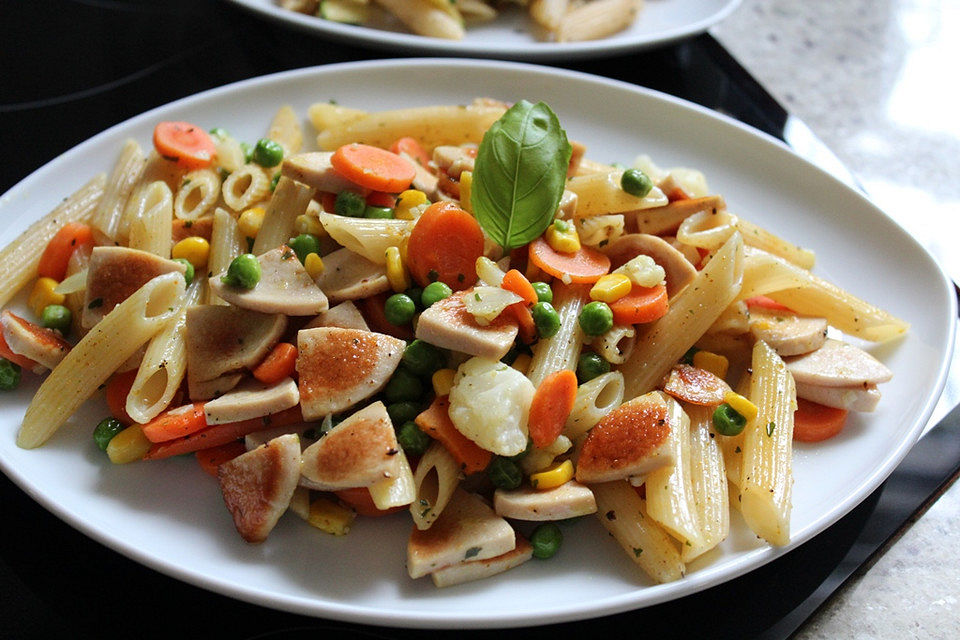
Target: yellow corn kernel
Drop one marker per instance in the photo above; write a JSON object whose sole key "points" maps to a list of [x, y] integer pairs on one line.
{"points": [[611, 287], [313, 263], [442, 381], [43, 294], [522, 363], [406, 201], [250, 221], [308, 224], [712, 362], [194, 250], [741, 405], [330, 517], [466, 185], [562, 237], [129, 445], [553, 476], [396, 271]]}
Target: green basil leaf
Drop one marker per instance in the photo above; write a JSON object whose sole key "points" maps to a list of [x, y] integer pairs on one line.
{"points": [[519, 174]]}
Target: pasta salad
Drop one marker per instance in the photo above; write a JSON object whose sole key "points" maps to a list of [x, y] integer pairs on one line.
{"points": [[450, 312]]}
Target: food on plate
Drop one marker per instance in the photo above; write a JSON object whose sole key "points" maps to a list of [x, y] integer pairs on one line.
{"points": [[444, 314], [554, 20]]}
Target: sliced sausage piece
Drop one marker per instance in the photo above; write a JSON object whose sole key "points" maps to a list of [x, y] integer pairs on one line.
{"points": [[850, 398], [696, 386], [449, 325], [838, 364], [258, 485], [345, 315], [480, 569], [679, 271], [284, 287], [358, 452], [787, 333], [45, 347], [569, 500], [466, 530], [315, 170], [340, 367], [349, 276], [253, 399]]}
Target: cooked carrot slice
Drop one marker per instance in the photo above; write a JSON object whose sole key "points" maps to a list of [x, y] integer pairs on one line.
{"points": [[54, 259], [813, 422], [444, 245], [373, 167], [642, 304], [551, 406], [586, 265], [185, 144]]}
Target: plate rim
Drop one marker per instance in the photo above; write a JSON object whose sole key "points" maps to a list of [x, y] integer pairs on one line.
{"points": [[701, 579]]}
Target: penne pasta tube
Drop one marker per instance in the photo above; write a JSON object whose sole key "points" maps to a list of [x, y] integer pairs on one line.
{"points": [[707, 229], [425, 18], [164, 364], [548, 13], [562, 350], [692, 312], [290, 199], [436, 478], [226, 243], [19, 259], [617, 344], [368, 237], [595, 399], [597, 19], [285, 130], [150, 212], [766, 478], [601, 194], [115, 338], [398, 491], [327, 115], [708, 479], [623, 513], [245, 187], [760, 238], [198, 192], [126, 173]]}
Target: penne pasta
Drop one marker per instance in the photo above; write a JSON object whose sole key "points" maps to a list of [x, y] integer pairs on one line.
{"points": [[290, 199], [285, 130], [760, 238], [617, 344], [436, 478], [601, 194], [150, 215], [426, 18], [708, 480], [398, 491], [365, 236], [197, 194], [245, 187], [595, 399], [226, 243], [597, 19], [109, 218], [562, 350]]}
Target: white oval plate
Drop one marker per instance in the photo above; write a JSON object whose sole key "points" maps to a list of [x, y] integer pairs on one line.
{"points": [[510, 35], [169, 515]]}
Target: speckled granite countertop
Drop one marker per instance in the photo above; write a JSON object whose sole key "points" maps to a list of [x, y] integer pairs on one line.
{"points": [[872, 80]]}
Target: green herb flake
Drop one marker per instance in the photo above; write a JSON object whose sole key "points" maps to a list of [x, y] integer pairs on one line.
{"points": [[637, 551], [770, 427], [471, 552]]}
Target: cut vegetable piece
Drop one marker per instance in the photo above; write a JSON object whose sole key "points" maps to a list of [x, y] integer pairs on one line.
{"points": [[252, 399], [569, 500], [444, 246], [284, 287], [479, 569], [838, 364], [449, 325], [585, 265], [373, 168], [349, 276]]}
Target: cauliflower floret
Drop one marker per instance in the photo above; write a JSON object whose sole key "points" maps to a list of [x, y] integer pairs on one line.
{"points": [[490, 403], [643, 271]]}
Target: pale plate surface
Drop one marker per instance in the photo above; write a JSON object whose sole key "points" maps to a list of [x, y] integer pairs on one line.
{"points": [[169, 515], [511, 34]]}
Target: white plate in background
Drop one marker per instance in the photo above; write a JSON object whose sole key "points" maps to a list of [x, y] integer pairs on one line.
{"points": [[169, 515]]}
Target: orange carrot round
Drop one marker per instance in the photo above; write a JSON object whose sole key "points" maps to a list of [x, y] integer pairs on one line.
{"points": [[185, 144], [373, 167], [211, 459], [444, 245], [586, 265], [176, 423], [813, 422], [280, 363], [435, 422], [411, 147], [551, 406], [361, 501], [515, 282], [118, 388], [54, 259], [642, 304]]}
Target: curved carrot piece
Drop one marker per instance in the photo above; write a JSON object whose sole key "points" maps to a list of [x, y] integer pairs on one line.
{"points": [[361, 501], [176, 423], [586, 265], [642, 304], [118, 388], [372, 310], [444, 245], [373, 167], [515, 282], [411, 147], [813, 422], [551, 406], [382, 199], [185, 144], [280, 363], [525, 323], [435, 422], [54, 259], [211, 459], [220, 434], [764, 302]]}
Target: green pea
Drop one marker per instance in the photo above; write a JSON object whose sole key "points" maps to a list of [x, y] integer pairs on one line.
{"points": [[56, 316], [219, 132], [247, 151], [544, 292], [728, 421], [422, 358], [546, 540], [350, 204], [546, 318], [9, 375], [504, 473], [590, 365], [303, 245], [190, 273], [267, 153], [105, 431], [562, 226], [381, 213], [403, 385], [415, 293], [399, 309], [274, 182], [403, 411], [412, 439], [596, 318], [243, 272], [636, 182], [435, 292]]}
